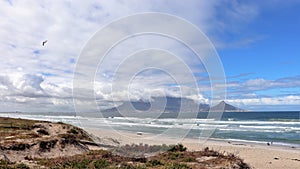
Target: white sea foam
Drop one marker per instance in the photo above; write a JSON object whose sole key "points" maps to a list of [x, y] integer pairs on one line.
{"points": [[275, 129]]}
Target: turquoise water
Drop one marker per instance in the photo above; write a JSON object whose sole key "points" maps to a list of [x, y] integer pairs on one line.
{"points": [[281, 128]]}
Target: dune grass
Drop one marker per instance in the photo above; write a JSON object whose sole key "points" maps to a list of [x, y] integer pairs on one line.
{"points": [[127, 156]]}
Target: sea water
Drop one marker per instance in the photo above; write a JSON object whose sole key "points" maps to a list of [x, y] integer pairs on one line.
{"points": [[279, 128]]}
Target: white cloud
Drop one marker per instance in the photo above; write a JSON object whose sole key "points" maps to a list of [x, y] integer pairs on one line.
{"points": [[39, 78], [261, 84], [67, 26], [254, 93], [258, 103], [32, 91]]}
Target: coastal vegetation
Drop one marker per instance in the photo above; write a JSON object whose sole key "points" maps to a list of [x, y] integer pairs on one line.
{"points": [[40, 144]]}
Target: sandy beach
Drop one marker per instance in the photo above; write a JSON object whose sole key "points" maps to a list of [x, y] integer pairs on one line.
{"points": [[257, 155]]}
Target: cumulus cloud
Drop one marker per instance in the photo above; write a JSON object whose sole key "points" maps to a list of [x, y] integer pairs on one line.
{"points": [[39, 78], [257, 93], [261, 84], [42, 75], [282, 103], [32, 92]]}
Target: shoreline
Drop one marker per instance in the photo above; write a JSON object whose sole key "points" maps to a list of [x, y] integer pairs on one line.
{"points": [[256, 155], [76, 120], [280, 145]]}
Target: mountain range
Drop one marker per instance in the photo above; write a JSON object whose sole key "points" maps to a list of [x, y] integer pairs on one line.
{"points": [[168, 105]]}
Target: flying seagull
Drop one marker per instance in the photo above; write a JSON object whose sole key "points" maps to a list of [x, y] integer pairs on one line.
{"points": [[44, 42]]}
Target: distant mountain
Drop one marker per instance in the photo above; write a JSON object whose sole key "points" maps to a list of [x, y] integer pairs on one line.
{"points": [[168, 105], [227, 107], [157, 105]]}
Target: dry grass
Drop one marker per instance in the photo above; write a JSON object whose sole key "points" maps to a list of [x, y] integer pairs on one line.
{"points": [[22, 139], [174, 158], [33, 141], [12, 129]]}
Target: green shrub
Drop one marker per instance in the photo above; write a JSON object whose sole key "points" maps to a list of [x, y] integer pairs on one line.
{"points": [[189, 159], [178, 166], [22, 166], [178, 147], [174, 155], [73, 131], [130, 166], [154, 163], [47, 145], [102, 163], [77, 164], [4, 162], [43, 132]]}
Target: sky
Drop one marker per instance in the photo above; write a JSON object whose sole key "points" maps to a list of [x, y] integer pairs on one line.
{"points": [[257, 42]]}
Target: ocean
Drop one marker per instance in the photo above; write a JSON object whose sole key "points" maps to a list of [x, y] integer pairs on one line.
{"points": [[279, 128]]}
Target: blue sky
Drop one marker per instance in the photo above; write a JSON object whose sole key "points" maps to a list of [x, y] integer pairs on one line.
{"points": [[272, 53], [276, 46], [257, 42]]}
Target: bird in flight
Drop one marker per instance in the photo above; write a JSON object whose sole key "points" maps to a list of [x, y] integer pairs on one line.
{"points": [[44, 42]]}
